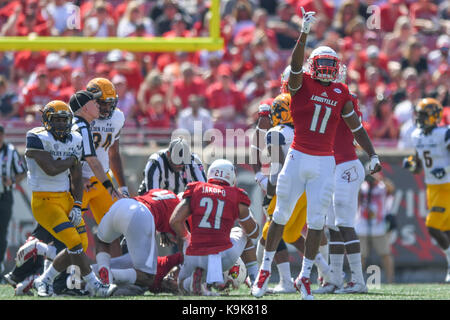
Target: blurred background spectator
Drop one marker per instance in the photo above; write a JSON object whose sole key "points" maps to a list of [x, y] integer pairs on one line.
{"points": [[404, 58]]}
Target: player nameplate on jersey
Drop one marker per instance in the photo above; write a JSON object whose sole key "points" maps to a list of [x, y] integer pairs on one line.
{"points": [[324, 100]]}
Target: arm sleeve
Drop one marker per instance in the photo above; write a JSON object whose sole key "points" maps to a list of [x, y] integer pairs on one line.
{"points": [[34, 142]]}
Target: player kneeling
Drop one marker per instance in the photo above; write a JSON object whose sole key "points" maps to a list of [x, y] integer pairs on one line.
{"points": [[213, 246]]}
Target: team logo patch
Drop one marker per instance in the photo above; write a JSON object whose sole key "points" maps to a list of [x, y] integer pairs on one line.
{"points": [[350, 175], [337, 90]]}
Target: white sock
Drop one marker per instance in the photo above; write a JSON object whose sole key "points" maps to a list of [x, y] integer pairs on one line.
{"points": [[252, 270], [50, 274], [322, 265], [337, 265], [90, 278], [306, 267], [47, 263], [124, 275], [51, 252], [267, 260], [354, 261], [323, 250], [284, 270], [259, 252], [187, 284], [103, 259]]}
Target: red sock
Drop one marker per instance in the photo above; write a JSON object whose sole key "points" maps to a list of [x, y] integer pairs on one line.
{"points": [[164, 265]]}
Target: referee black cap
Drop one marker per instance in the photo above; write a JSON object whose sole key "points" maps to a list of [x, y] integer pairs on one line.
{"points": [[80, 98]]}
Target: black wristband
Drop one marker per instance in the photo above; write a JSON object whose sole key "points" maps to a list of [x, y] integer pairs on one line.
{"points": [[107, 183]]}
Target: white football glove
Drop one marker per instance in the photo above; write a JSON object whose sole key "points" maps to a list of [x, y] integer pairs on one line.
{"points": [[124, 191], [75, 216], [261, 180], [374, 165], [308, 20]]}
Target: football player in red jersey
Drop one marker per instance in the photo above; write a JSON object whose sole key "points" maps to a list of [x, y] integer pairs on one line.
{"points": [[317, 106], [138, 219], [349, 176], [213, 207]]}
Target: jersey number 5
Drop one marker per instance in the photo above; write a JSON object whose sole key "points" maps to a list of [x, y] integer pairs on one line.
{"points": [[209, 204], [315, 119]]}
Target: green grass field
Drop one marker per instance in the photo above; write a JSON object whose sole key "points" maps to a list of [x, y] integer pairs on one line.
{"points": [[385, 292]]}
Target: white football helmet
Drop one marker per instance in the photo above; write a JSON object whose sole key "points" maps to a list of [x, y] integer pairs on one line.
{"points": [[224, 170], [323, 64]]}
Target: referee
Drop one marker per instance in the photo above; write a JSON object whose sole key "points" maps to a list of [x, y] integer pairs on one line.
{"points": [[172, 168], [12, 170]]}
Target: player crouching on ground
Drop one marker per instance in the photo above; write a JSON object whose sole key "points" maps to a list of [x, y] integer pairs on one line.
{"points": [[213, 245], [138, 219]]}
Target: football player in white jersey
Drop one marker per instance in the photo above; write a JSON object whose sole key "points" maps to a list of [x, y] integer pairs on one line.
{"points": [[105, 131], [432, 144], [53, 153]]}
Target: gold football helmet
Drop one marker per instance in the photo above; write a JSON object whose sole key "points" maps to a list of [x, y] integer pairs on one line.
{"points": [[57, 118], [428, 113], [108, 100], [281, 111]]}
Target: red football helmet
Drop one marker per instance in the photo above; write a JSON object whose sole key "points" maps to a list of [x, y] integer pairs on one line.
{"points": [[324, 64]]}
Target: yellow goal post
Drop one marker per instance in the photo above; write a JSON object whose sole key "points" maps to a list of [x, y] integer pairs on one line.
{"points": [[135, 44]]}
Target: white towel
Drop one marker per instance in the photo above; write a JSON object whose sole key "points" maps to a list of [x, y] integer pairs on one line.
{"points": [[214, 273]]}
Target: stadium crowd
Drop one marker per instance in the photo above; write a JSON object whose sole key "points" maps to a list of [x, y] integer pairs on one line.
{"points": [[396, 52]]}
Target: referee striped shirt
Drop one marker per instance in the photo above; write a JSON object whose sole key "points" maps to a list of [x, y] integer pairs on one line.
{"points": [[158, 174], [84, 129], [11, 164]]}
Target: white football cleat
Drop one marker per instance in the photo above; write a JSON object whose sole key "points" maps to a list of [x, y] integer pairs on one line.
{"points": [[283, 287], [99, 289], [447, 277], [26, 252], [259, 288], [44, 288], [303, 285], [353, 287], [326, 288]]}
